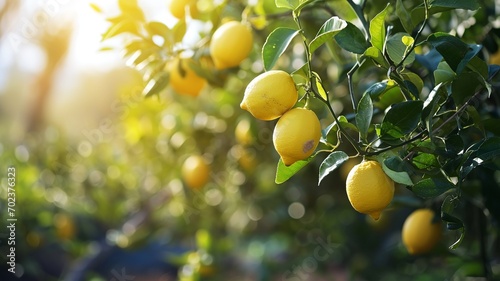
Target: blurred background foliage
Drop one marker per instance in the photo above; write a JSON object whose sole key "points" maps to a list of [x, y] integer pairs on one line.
{"points": [[99, 187]]}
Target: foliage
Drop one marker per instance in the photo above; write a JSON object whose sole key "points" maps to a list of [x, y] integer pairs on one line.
{"points": [[405, 83], [419, 114]]}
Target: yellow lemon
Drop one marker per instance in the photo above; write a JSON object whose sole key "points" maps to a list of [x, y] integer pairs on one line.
{"points": [[296, 135], [195, 171], [65, 227], [184, 80], [243, 132], [495, 58], [369, 189], [347, 167], [230, 44], [178, 8], [420, 233], [269, 95]]}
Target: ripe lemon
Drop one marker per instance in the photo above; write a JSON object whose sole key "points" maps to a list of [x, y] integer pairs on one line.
{"points": [[184, 80], [296, 135], [230, 44], [495, 58], [65, 227], [369, 189], [243, 132], [269, 95], [178, 8], [420, 234], [195, 171]]}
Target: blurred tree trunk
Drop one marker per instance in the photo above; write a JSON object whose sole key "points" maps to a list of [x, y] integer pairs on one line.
{"points": [[54, 40]]}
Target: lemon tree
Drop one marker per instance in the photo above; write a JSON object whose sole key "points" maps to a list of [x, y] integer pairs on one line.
{"points": [[396, 85]]}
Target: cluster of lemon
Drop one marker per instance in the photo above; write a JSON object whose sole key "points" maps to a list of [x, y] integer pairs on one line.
{"points": [[272, 95], [229, 46]]}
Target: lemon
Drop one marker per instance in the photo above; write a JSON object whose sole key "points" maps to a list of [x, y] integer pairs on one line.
{"points": [[369, 189], [347, 167], [195, 171], [178, 8], [243, 132], [230, 44], [269, 95], [495, 58], [184, 80], [420, 234], [65, 227], [296, 135]]}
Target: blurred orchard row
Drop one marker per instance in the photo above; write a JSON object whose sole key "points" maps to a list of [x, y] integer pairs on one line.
{"points": [[122, 175]]}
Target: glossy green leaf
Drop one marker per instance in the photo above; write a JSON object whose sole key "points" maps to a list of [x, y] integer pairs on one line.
{"points": [[276, 43], [465, 86], [284, 173], [156, 85], [432, 187], [121, 27], [397, 50], [289, 4], [404, 16], [376, 89], [401, 119], [377, 29], [327, 31], [486, 151], [157, 28], [95, 7], [319, 87], [364, 116], [443, 73], [352, 39], [395, 168], [425, 161], [331, 162], [454, 51], [431, 105], [456, 4], [376, 56]]}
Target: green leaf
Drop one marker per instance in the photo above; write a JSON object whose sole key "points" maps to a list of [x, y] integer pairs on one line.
{"points": [[377, 29], [289, 4], [414, 79], [364, 116], [178, 32], [131, 9], [404, 16], [95, 7], [156, 84], [121, 27], [401, 119], [352, 39], [284, 173], [443, 73], [456, 4], [157, 28], [478, 65], [376, 56], [432, 187], [488, 150], [395, 168], [331, 162], [376, 89], [319, 87], [276, 43], [327, 31], [455, 52], [425, 161], [439, 6], [465, 86], [431, 105], [396, 49]]}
